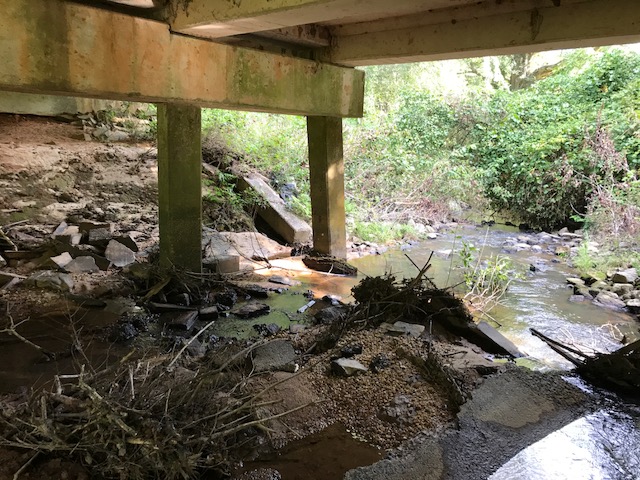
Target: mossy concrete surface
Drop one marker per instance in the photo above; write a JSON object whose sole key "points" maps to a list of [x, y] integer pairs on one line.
{"points": [[179, 186], [63, 48]]}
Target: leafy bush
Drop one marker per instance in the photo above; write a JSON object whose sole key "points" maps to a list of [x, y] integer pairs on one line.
{"points": [[534, 148]]}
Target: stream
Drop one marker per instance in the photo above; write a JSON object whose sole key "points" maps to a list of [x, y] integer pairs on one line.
{"points": [[602, 445]]}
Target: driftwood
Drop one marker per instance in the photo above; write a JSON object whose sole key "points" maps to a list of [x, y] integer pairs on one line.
{"points": [[619, 370]]}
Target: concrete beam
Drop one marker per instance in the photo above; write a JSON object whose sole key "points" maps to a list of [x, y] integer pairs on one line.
{"points": [[326, 171], [179, 186], [61, 48], [463, 33], [217, 19]]}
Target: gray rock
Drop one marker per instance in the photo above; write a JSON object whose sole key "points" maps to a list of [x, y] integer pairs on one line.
{"points": [[83, 264], [208, 313], [51, 280], [629, 275], [119, 255], [280, 280], [621, 288], [127, 241], [99, 237], [585, 292], [3, 262], [609, 300], [222, 263], [274, 355], [633, 305], [432, 235], [403, 328], [116, 136], [330, 315], [576, 282], [197, 349], [346, 367], [536, 249], [577, 298]]}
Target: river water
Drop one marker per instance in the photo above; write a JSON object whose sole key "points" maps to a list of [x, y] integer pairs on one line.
{"points": [[602, 445]]}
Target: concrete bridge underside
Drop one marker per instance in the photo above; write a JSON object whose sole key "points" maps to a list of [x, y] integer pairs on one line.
{"points": [[281, 56]]}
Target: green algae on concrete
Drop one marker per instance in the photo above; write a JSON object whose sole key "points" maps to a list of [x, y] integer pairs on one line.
{"points": [[179, 186]]}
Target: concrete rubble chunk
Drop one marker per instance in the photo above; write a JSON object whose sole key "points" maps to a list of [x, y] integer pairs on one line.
{"points": [[208, 313], [347, 367], [403, 328], [249, 245], [87, 225], [99, 237], [119, 255], [51, 280], [252, 310], [222, 263], [83, 264], [629, 275], [274, 355], [62, 260], [127, 241], [182, 321], [3, 262], [67, 233]]}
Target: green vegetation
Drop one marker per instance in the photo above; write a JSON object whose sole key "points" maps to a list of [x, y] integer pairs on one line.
{"points": [[549, 146]]}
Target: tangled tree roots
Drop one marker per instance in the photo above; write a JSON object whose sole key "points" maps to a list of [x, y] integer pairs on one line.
{"points": [[150, 418]]}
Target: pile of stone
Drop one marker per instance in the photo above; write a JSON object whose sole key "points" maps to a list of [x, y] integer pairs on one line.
{"points": [[620, 290], [87, 247]]}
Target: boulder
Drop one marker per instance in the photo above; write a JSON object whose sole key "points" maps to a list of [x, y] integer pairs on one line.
{"points": [[347, 367], [330, 315], [576, 282], [621, 288], [633, 305]]}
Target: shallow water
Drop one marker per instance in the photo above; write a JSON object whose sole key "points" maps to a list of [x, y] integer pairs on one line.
{"points": [[603, 445]]}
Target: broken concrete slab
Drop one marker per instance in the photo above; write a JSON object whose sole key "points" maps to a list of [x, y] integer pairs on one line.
{"points": [[82, 264], [500, 340], [182, 321], [118, 254], [289, 226], [248, 245], [67, 233], [51, 280], [347, 367], [274, 355], [128, 241], [78, 251]]}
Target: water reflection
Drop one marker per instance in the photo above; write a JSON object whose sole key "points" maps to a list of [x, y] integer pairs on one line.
{"points": [[600, 446]]}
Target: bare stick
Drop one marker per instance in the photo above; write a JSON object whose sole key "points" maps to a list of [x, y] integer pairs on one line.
{"points": [[25, 466], [12, 331], [190, 342]]}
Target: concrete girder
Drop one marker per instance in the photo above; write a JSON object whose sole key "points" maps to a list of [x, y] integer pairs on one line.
{"points": [[217, 19], [461, 33], [61, 48]]}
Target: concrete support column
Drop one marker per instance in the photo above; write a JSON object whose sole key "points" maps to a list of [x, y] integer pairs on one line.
{"points": [[179, 186], [326, 169]]}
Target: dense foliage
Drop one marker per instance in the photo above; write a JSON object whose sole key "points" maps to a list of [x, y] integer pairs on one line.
{"points": [[542, 149], [547, 147]]}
